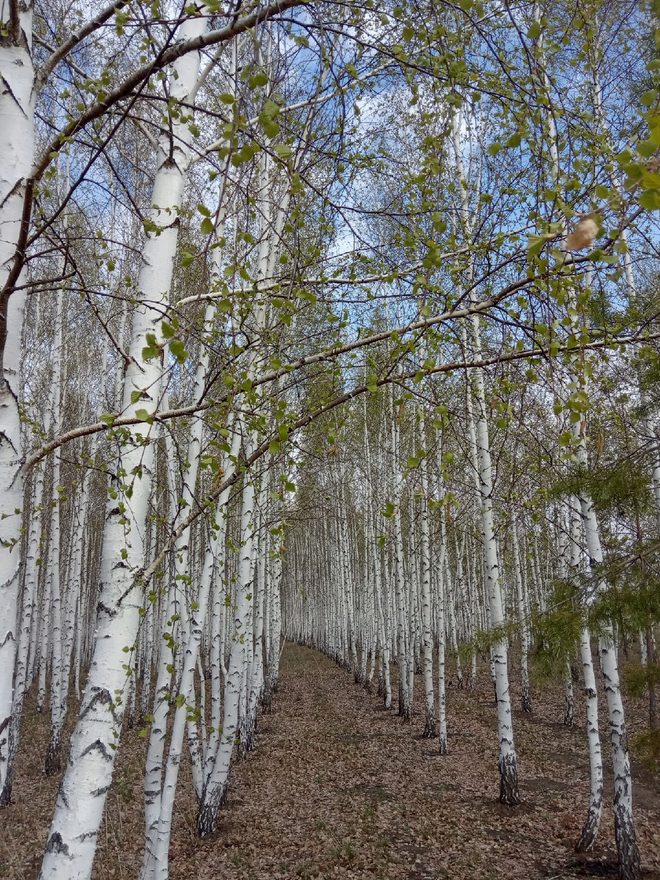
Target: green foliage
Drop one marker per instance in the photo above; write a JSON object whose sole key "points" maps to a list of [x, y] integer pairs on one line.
{"points": [[485, 639], [646, 747], [618, 487], [648, 369], [557, 631], [635, 605], [638, 679]]}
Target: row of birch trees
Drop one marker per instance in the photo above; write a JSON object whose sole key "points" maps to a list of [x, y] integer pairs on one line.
{"points": [[392, 579]]}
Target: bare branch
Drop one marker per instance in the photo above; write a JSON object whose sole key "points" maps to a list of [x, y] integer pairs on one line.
{"points": [[88, 28]]}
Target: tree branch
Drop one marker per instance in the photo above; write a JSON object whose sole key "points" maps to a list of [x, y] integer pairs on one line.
{"points": [[62, 51], [452, 366], [166, 57]]}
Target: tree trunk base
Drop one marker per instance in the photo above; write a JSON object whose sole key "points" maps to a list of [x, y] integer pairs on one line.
{"points": [[53, 763], [208, 815], [509, 794], [430, 731], [5, 794], [569, 714], [626, 846], [590, 829]]}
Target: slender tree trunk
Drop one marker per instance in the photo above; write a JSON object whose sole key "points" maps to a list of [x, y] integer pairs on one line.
{"points": [[569, 698], [522, 620], [594, 813], [508, 766], [624, 827], [215, 785], [403, 635], [16, 150], [72, 838], [53, 762], [427, 634]]}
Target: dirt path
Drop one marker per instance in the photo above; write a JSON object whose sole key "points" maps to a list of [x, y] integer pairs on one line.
{"points": [[339, 788]]}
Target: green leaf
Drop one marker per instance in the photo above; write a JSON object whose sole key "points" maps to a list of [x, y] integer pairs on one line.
{"points": [[650, 199], [267, 116], [178, 350], [150, 351], [535, 244], [270, 127], [599, 256], [258, 79], [534, 30]]}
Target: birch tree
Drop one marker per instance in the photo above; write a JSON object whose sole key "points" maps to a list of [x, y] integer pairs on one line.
{"points": [[71, 841], [17, 145]]}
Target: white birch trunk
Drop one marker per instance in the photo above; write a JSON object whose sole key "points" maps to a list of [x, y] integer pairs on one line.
{"points": [[403, 634], [215, 785], [624, 827], [156, 813], [523, 621], [442, 692], [508, 768], [53, 751], [72, 838], [16, 150], [595, 810], [157, 842], [507, 754], [29, 626], [427, 634], [442, 638]]}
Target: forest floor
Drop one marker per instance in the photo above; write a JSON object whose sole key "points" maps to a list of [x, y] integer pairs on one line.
{"points": [[339, 788]]}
